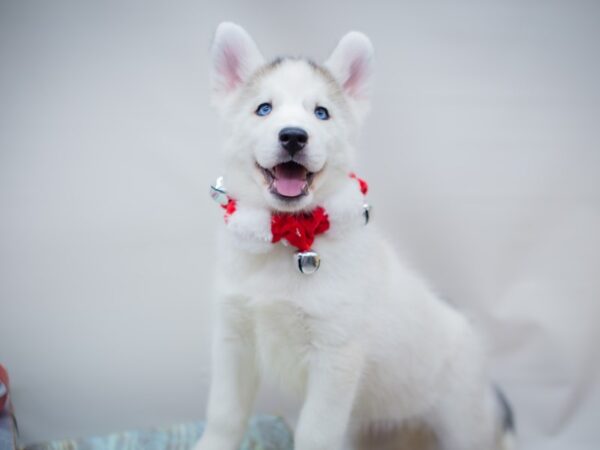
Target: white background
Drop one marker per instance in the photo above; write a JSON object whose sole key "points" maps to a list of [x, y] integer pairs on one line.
{"points": [[482, 154]]}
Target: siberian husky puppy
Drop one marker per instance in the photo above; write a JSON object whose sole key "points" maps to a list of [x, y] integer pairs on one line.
{"points": [[365, 341]]}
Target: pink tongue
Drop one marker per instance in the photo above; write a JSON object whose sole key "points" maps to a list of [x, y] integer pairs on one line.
{"points": [[289, 187], [290, 180]]}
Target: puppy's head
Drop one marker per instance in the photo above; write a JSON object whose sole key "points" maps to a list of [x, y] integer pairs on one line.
{"points": [[290, 124]]}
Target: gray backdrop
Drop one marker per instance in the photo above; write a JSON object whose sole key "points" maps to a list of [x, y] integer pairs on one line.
{"points": [[482, 153]]}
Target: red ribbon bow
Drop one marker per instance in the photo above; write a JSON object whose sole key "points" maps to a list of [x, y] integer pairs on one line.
{"points": [[299, 229]]}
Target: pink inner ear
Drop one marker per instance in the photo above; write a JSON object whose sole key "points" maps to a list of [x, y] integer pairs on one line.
{"points": [[230, 67], [356, 76]]}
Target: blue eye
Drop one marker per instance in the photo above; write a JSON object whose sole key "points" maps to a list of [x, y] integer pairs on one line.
{"points": [[264, 109], [321, 113]]}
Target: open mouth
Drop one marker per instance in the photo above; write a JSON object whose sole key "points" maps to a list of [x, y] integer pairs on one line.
{"points": [[288, 180]]}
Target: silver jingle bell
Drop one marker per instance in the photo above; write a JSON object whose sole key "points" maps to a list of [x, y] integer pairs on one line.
{"points": [[218, 192], [308, 261], [367, 212]]}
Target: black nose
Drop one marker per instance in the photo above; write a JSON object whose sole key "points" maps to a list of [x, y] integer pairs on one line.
{"points": [[293, 139]]}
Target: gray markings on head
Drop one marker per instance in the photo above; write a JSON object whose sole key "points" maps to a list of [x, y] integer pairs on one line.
{"points": [[319, 69]]}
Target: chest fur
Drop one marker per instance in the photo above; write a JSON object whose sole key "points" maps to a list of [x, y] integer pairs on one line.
{"points": [[283, 342]]}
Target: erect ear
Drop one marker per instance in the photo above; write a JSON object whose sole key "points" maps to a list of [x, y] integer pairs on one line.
{"points": [[235, 57], [350, 64]]}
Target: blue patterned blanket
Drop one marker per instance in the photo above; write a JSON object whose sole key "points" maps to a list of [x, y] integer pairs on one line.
{"points": [[264, 433]]}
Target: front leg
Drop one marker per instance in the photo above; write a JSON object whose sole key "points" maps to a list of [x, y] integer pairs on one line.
{"points": [[334, 375], [234, 378]]}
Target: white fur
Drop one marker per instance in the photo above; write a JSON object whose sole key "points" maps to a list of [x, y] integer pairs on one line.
{"points": [[365, 341]]}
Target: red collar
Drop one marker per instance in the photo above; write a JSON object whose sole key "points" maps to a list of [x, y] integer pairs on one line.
{"points": [[297, 229]]}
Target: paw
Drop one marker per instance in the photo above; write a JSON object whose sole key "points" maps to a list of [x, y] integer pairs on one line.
{"points": [[208, 442], [201, 446]]}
